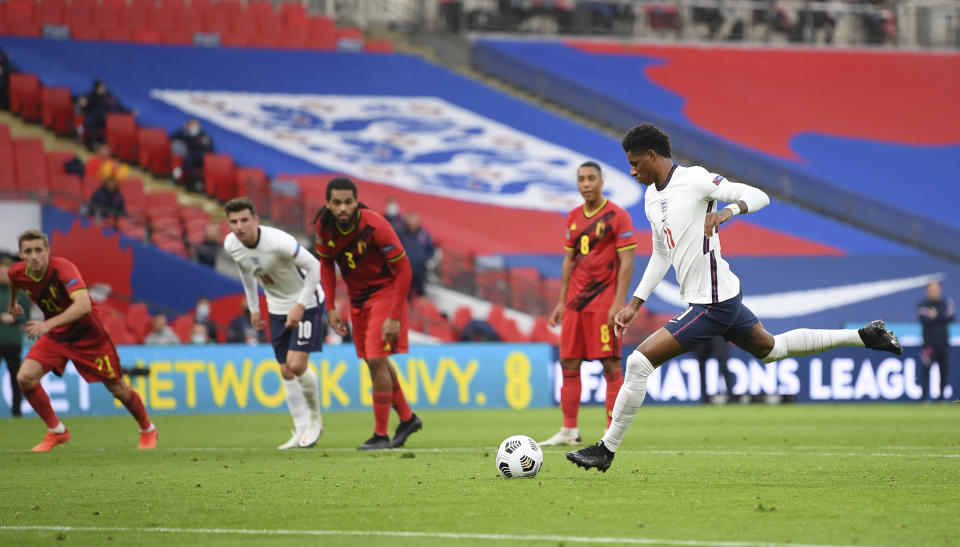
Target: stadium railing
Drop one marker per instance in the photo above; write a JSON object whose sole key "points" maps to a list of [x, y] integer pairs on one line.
{"points": [[933, 236]]}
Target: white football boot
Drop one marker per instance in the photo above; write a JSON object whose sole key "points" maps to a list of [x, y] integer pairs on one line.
{"points": [[568, 436], [311, 434], [294, 441]]}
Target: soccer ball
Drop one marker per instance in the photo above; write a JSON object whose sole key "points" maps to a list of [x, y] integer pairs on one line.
{"points": [[519, 456]]}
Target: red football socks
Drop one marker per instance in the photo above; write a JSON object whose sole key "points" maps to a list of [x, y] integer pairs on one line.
{"points": [[614, 381], [570, 397], [135, 406], [400, 403], [381, 411], [41, 404]]}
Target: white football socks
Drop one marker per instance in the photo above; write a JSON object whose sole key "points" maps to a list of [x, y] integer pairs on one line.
{"points": [[311, 392], [297, 404], [629, 399], [795, 343]]}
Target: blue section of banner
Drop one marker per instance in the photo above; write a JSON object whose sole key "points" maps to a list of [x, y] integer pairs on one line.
{"points": [[238, 378], [840, 375]]}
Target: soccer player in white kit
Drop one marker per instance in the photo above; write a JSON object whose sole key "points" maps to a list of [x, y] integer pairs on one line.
{"points": [[290, 277], [681, 205]]}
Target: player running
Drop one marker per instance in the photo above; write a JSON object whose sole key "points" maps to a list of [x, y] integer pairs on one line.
{"points": [[377, 273], [71, 330], [678, 202], [596, 272], [290, 277]]}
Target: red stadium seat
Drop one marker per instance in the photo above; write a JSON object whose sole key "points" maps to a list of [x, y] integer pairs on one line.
{"points": [[56, 110], [378, 46], [182, 326], [252, 182], [172, 23], [122, 136], [25, 96], [153, 146], [323, 33], [67, 192], [30, 164], [117, 327], [138, 319], [89, 185], [81, 18], [21, 19], [109, 20], [52, 12], [163, 200], [134, 197], [132, 227], [219, 176], [56, 161]]}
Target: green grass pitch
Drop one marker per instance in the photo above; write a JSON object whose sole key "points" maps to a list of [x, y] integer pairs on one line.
{"points": [[734, 475]]}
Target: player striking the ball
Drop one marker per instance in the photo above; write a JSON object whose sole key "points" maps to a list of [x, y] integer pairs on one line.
{"points": [[596, 272], [290, 277], [377, 273], [71, 330], [679, 202]]}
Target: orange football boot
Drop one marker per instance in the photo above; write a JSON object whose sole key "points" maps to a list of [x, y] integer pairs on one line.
{"points": [[51, 440]]}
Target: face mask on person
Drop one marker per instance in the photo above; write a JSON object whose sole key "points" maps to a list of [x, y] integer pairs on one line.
{"points": [[193, 130], [392, 209], [198, 339], [203, 311]]}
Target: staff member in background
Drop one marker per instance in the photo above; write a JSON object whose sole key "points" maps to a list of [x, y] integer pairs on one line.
{"points": [[11, 333], [935, 313]]}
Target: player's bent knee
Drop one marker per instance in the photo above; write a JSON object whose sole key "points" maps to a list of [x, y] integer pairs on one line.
{"points": [[29, 374], [638, 368]]}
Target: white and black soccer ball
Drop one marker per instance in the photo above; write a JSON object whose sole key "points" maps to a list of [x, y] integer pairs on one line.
{"points": [[519, 456]]}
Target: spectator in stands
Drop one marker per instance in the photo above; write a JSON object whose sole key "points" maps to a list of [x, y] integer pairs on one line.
{"points": [[11, 332], [95, 106], [452, 13], [419, 246], [192, 143], [478, 330], [391, 212], [935, 313], [201, 316], [206, 251], [100, 158], [107, 201], [199, 336], [161, 334], [241, 331], [6, 67]]}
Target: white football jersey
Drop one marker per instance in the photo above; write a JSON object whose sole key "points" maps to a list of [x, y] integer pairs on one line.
{"points": [[677, 211], [280, 265]]}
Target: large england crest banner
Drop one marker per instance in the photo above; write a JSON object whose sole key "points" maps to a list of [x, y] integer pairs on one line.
{"points": [[421, 144]]}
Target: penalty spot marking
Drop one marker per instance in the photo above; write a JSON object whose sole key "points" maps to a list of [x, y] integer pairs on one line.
{"points": [[401, 534]]}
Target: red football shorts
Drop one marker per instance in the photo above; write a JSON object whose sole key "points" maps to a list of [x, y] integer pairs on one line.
{"points": [[587, 336], [96, 358], [367, 322]]}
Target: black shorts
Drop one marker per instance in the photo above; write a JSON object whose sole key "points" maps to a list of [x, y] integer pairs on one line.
{"points": [[306, 337], [701, 322]]}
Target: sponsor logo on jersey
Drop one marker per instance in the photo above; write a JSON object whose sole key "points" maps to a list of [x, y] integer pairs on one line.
{"points": [[717, 179], [421, 144]]}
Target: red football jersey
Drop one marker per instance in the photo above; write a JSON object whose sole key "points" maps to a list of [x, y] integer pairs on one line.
{"points": [[363, 253], [52, 294], [595, 239]]}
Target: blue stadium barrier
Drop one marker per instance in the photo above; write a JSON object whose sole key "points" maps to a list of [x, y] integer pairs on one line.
{"points": [[933, 236], [238, 378]]}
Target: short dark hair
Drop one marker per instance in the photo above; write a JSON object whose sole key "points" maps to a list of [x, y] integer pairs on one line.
{"points": [[341, 183], [241, 203], [647, 136], [593, 164], [31, 235]]}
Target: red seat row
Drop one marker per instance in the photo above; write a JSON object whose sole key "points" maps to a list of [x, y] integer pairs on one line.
{"points": [[252, 24]]}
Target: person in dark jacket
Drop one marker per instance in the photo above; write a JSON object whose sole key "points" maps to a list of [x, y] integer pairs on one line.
{"points": [[107, 201], [191, 142], [95, 106], [419, 246], [11, 333], [935, 313]]}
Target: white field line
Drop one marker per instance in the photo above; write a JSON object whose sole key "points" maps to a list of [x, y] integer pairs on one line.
{"points": [[838, 452], [402, 534]]}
